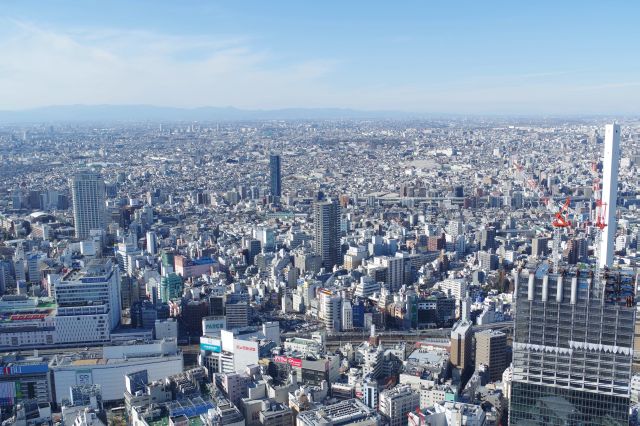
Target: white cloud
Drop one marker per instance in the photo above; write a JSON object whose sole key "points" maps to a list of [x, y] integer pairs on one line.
{"points": [[106, 66], [42, 66]]}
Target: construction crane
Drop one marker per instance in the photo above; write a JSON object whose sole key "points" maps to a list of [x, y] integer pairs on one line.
{"points": [[601, 212], [600, 215], [561, 212]]}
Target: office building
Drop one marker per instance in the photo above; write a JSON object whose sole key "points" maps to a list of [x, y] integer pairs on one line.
{"points": [[572, 348], [171, 287], [539, 246], [275, 175], [237, 315], [330, 309], [84, 293], [491, 350], [488, 238], [89, 210], [326, 216], [397, 403], [152, 243], [461, 344]]}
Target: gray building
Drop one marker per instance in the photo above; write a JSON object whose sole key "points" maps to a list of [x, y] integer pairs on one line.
{"points": [[327, 233], [276, 175], [89, 210], [572, 348]]}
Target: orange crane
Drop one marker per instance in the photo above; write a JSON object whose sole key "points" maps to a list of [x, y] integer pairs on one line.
{"points": [[601, 214], [561, 212]]}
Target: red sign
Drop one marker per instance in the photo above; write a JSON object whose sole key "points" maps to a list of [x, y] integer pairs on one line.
{"points": [[27, 317], [245, 348], [294, 362]]}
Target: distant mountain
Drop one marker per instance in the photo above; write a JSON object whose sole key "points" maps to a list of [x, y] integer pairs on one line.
{"points": [[130, 113]]}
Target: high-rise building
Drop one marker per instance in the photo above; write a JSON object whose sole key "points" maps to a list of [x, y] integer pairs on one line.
{"points": [[461, 345], [572, 348], [610, 166], [170, 287], [491, 350], [237, 315], [89, 211], [488, 238], [276, 175], [330, 309], [347, 316], [327, 232], [152, 243]]}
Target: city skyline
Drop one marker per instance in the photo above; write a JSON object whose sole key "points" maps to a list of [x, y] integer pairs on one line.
{"points": [[465, 59], [305, 214]]}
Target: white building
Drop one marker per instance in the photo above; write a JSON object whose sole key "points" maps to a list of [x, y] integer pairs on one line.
{"points": [[159, 358], [457, 288], [330, 311], [454, 414], [610, 168], [347, 316], [97, 283], [366, 287], [397, 403]]}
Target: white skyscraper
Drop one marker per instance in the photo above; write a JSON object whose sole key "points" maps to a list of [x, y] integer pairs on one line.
{"points": [[610, 163], [152, 243], [88, 193], [347, 316]]}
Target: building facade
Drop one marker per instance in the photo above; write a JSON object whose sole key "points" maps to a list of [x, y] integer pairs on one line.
{"points": [[572, 349], [89, 210]]}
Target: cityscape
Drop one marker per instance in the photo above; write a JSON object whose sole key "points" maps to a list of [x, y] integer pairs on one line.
{"points": [[321, 265]]}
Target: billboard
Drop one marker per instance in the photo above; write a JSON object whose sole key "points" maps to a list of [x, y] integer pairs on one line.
{"points": [[24, 369], [227, 340], [209, 344], [294, 362], [211, 326], [245, 352], [84, 377]]}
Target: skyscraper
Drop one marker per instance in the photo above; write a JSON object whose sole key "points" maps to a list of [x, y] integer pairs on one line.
{"points": [[88, 193], [610, 166], [326, 216], [276, 176], [491, 350], [572, 348], [461, 345]]}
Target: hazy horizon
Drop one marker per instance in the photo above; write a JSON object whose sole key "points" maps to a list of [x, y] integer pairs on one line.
{"points": [[468, 58]]}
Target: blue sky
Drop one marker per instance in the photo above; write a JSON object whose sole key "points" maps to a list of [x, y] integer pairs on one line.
{"points": [[479, 57]]}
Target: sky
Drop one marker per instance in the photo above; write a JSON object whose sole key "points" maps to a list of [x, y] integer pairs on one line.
{"points": [[466, 57]]}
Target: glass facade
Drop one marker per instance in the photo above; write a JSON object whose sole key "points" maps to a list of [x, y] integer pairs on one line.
{"points": [[572, 349], [548, 405], [276, 177]]}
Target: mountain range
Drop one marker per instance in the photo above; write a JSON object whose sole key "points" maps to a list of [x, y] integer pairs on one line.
{"points": [[136, 113]]}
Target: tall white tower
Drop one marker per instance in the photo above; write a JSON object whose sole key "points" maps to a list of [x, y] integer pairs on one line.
{"points": [[610, 163]]}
